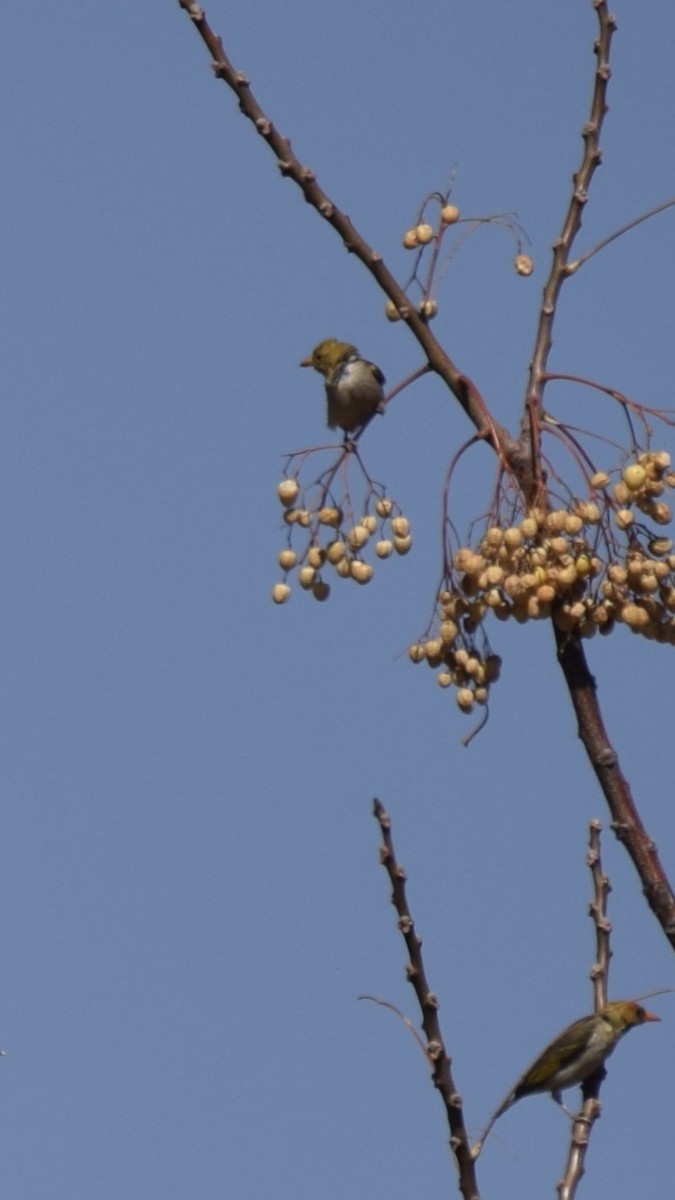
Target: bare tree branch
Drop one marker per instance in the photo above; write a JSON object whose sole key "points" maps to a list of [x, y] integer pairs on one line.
{"points": [[571, 225], [428, 1002], [626, 821]]}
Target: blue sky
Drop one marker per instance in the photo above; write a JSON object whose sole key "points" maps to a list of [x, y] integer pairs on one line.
{"points": [[191, 894]]}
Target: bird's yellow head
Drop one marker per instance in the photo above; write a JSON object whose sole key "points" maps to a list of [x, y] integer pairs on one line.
{"points": [[624, 1014], [327, 355]]}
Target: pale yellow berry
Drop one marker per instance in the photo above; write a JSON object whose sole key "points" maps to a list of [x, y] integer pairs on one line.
{"points": [[635, 567], [512, 586], [661, 514], [444, 679], [601, 614], [513, 538], [287, 491], [624, 518], [316, 556], [321, 590], [600, 480], [622, 493], [428, 308], [565, 575], [463, 558], [648, 582], [361, 572], [434, 651], [523, 264], [449, 214], [335, 552], [555, 520], [493, 598], [424, 233], [661, 459], [287, 559], [402, 544], [384, 507], [465, 699], [494, 536], [291, 515], [306, 577], [529, 580], [588, 511], [617, 573], [634, 477], [343, 568], [573, 524], [328, 515], [529, 527], [358, 536], [391, 312], [416, 652], [536, 610], [494, 575], [304, 517], [480, 695], [384, 548], [369, 522], [400, 527], [410, 239], [660, 546], [280, 593], [634, 616], [448, 632], [654, 487]]}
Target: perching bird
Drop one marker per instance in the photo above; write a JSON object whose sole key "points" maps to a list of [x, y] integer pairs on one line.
{"points": [[353, 385], [574, 1055]]}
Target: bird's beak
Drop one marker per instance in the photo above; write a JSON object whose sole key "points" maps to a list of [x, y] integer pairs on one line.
{"points": [[651, 1017], [307, 362]]}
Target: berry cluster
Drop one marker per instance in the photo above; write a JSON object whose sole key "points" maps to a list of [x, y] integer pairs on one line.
{"points": [[334, 541], [454, 650], [588, 566]]}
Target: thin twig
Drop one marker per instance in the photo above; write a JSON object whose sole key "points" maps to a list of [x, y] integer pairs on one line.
{"points": [[428, 1002], [590, 1110], [598, 911], [563, 245], [653, 212]]}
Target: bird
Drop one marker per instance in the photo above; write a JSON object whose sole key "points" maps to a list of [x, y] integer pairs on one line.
{"points": [[572, 1057], [353, 385]]}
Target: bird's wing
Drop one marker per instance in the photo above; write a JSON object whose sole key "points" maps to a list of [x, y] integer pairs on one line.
{"points": [[560, 1051]]}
